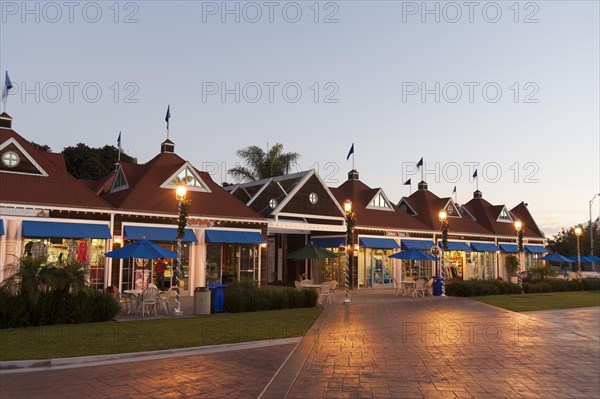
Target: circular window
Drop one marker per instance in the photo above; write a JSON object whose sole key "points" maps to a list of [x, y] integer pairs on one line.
{"points": [[403, 207], [10, 159], [313, 198], [273, 203], [450, 210]]}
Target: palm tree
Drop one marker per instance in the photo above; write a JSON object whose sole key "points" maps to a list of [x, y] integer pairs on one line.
{"points": [[262, 165]]}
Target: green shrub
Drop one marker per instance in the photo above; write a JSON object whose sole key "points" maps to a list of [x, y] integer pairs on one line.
{"points": [[245, 297], [495, 287]]}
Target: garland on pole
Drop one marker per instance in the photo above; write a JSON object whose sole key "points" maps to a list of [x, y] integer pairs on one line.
{"points": [[184, 211], [445, 227], [350, 224]]}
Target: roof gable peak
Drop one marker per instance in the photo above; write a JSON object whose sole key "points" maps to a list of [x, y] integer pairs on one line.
{"points": [[187, 175]]}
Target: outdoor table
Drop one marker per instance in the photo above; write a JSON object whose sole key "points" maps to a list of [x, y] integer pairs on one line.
{"points": [[135, 296], [408, 286]]}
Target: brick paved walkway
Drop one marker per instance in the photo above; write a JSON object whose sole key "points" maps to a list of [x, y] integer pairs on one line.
{"points": [[378, 347], [386, 347]]}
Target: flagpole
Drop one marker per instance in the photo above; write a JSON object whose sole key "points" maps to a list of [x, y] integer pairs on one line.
{"points": [[455, 201], [353, 158], [423, 172], [477, 182]]}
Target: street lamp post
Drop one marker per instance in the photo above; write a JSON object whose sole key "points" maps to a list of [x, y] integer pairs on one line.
{"points": [[180, 193], [578, 233], [519, 228], [445, 226], [591, 224], [350, 222]]}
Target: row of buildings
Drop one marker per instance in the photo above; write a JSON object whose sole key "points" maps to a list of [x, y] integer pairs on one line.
{"points": [[242, 231]]}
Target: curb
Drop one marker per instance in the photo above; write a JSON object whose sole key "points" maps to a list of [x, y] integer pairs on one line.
{"points": [[21, 366]]}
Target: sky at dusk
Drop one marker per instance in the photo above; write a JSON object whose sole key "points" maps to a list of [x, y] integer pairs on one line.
{"points": [[508, 88]]}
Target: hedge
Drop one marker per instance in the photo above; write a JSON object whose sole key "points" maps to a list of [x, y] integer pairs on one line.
{"points": [[245, 297], [495, 287]]}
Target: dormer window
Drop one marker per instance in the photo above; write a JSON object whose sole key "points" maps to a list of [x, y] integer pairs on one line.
{"points": [[504, 216], [380, 202], [120, 181], [187, 176]]}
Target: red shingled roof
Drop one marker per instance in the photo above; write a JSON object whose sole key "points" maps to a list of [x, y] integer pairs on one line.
{"points": [[59, 188], [360, 194], [521, 212], [145, 194], [428, 205], [487, 215]]}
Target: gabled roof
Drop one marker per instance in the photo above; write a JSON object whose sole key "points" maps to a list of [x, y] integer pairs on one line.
{"points": [[54, 187], [521, 212], [297, 195], [428, 205], [361, 195], [488, 215], [146, 194]]}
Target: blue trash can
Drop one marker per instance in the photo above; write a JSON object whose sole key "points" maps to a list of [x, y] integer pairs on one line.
{"points": [[217, 297], [437, 285]]}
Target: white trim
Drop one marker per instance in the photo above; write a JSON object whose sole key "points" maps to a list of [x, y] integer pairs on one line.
{"points": [[268, 179], [388, 203], [114, 189], [129, 212], [170, 185], [294, 191], [463, 208], [450, 201], [26, 154], [304, 226], [281, 187], [403, 200], [498, 219], [260, 190], [311, 216]]}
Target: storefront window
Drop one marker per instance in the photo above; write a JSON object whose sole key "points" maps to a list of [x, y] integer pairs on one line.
{"points": [[333, 268], [89, 252], [226, 263], [481, 265], [374, 268], [454, 260]]}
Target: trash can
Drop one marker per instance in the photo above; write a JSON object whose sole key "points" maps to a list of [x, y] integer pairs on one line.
{"points": [[217, 297], [201, 301], [437, 285]]}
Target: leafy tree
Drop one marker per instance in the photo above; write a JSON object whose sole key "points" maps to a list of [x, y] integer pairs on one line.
{"points": [[85, 162], [41, 147], [565, 242], [261, 165]]}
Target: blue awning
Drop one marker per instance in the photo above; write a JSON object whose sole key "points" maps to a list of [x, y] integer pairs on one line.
{"points": [[380, 243], [157, 234], [329, 242], [536, 249], [64, 230], [234, 237], [1, 227], [424, 245], [484, 247], [456, 246], [510, 248]]}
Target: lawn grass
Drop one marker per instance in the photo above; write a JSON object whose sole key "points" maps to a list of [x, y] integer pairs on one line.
{"points": [[543, 301], [148, 335]]}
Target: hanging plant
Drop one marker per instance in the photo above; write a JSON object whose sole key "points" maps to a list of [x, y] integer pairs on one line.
{"points": [[184, 211]]}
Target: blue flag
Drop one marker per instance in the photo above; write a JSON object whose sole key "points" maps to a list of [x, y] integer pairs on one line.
{"points": [[7, 86], [475, 174], [168, 116], [350, 152], [420, 163], [119, 141], [406, 183], [454, 191]]}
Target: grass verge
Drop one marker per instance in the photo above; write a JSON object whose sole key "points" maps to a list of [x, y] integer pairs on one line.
{"points": [[148, 335], [543, 301]]}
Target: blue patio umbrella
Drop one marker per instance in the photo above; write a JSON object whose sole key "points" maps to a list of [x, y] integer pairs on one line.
{"points": [[585, 258], [593, 258], [556, 258], [413, 254], [142, 249]]}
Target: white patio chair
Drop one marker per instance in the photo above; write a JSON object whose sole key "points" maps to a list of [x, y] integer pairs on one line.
{"points": [[306, 283], [429, 288], [149, 299], [420, 287], [333, 285], [164, 299], [298, 285], [325, 293]]}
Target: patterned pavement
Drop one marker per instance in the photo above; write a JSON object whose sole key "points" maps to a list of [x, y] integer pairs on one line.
{"points": [[378, 347]]}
